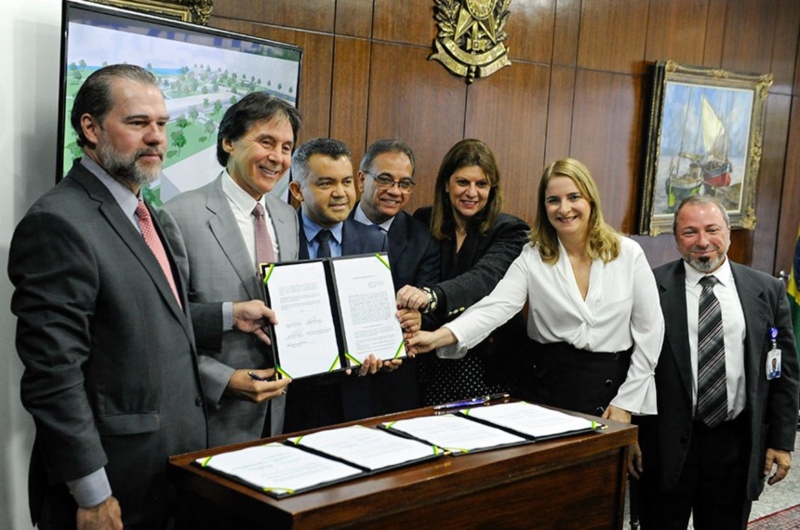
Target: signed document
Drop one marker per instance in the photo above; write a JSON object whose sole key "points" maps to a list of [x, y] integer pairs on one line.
{"points": [[373, 449], [279, 469], [306, 334], [369, 306], [455, 433], [532, 420], [332, 313]]}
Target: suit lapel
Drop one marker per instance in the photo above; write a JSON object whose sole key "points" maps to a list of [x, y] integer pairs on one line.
{"points": [[223, 227], [672, 289], [116, 218], [756, 319]]}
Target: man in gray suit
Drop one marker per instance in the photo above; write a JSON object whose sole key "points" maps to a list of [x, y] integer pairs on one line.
{"points": [[111, 375], [213, 231]]}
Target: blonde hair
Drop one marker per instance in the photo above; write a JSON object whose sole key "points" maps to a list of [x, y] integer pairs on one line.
{"points": [[602, 241]]}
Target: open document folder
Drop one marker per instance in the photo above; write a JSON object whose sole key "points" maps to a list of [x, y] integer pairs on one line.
{"points": [[332, 313]]}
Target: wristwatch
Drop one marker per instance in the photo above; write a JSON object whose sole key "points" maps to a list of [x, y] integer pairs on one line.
{"points": [[433, 300]]}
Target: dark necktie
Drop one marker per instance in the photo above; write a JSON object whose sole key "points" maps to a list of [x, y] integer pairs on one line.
{"points": [[264, 252], [712, 396], [156, 246], [324, 249]]}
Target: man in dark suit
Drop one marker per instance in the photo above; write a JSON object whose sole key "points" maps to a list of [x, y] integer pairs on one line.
{"points": [[386, 179], [324, 184], [213, 231], [103, 330], [723, 425]]}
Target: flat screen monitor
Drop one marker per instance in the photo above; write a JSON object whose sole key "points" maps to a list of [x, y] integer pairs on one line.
{"points": [[201, 71]]}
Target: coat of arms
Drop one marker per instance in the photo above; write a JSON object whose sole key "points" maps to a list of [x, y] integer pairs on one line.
{"points": [[471, 35]]}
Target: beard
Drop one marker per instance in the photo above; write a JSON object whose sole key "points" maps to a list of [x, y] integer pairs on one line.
{"points": [[128, 169], [706, 264]]}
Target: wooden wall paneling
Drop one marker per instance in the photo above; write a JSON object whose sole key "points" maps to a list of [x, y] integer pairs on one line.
{"points": [[659, 250], [415, 100], [314, 15], [715, 33], [676, 31], [530, 30], [607, 137], [350, 94], [314, 100], [354, 18], [566, 31], [749, 35], [784, 46], [559, 113], [769, 183], [508, 111], [790, 197], [408, 22], [796, 84], [612, 36]]}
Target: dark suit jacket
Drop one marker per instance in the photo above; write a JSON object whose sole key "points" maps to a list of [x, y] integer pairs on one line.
{"points": [[472, 273], [771, 406], [356, 239], [414, 258], [327, 399], [111, 374]]}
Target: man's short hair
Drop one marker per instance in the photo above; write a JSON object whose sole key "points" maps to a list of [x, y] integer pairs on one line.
{"points": [[387, 145], [242, 115], [94, 97], [318, 146], [699, 200]]}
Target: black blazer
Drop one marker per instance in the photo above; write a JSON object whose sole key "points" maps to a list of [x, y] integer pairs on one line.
{"points": [[111, 375], [771, 406], [356, 239]]}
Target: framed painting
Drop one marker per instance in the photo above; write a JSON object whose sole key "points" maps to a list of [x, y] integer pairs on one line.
{"points": [[196, 11], [705, 137]]}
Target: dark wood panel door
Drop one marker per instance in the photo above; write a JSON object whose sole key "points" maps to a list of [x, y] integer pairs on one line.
{"points": [[417, 101], [508, 111]]}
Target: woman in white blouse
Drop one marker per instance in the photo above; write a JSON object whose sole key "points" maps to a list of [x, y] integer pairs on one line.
{"points": [[594, 317]]}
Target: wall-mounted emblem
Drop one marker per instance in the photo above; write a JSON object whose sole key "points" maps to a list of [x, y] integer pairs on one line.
{"points": [[471, 35]]}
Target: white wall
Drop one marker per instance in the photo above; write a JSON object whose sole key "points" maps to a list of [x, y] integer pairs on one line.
{"points": [[29, 62]]}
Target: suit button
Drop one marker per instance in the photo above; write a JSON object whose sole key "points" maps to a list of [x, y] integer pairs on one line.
{"points": [[600, 411], [198, 401], [608, 383]]}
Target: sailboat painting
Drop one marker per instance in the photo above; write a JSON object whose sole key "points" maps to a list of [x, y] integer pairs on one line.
{"points": [[704, 139]]}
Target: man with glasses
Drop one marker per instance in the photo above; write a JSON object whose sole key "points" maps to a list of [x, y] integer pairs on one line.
{"points": [[386, 180]]}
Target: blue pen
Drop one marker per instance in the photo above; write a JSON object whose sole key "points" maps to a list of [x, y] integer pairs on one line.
{"points": [[257, 377], [469, 402]]}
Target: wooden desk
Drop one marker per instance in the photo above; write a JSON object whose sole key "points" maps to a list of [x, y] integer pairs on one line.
{"points": [[574, 482]]}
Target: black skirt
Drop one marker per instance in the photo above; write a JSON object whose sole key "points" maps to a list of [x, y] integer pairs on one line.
{"points": [[563, 376]]}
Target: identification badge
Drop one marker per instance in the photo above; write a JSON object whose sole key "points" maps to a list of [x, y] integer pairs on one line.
{"points": [[773, 357]]}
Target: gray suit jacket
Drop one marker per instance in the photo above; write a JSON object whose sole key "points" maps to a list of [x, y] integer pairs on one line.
{"points": [[111, 376], [212, 256], [771, 406]]}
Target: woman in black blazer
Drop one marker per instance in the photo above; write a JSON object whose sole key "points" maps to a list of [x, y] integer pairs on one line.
{"points": [[477, 245]]}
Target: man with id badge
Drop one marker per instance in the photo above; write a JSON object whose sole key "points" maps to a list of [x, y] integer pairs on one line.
{"points": [[727, 383]]}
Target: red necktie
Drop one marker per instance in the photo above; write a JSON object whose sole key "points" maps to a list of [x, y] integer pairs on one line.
{"points": [[264, 252], [154, 242]]}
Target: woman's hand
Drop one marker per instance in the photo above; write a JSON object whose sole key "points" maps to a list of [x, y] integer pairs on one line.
{"points": [[409, 297], [425, 341], [617, 414]]}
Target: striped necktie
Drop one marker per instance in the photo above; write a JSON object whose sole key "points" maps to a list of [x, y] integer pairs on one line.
{"points": [[712, 396], [156, 246], [264, 250]]}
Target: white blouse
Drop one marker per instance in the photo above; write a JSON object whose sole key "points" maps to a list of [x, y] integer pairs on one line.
{"points": [[621, 310]]}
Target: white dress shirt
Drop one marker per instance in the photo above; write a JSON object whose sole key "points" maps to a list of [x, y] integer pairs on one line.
{"points": [[621, 310], [242, 204], [733, 328]]}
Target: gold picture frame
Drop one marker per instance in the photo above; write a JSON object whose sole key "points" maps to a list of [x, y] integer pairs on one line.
{"points": [[195, 11], [705, 137]]}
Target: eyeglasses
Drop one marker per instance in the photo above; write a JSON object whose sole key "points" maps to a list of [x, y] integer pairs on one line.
{"points": [[385, 181]]}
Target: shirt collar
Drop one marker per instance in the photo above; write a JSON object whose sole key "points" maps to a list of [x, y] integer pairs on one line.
{"points": [[239, 197], [126, 199], [723, 274], [312, 229], [362, 218]]}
